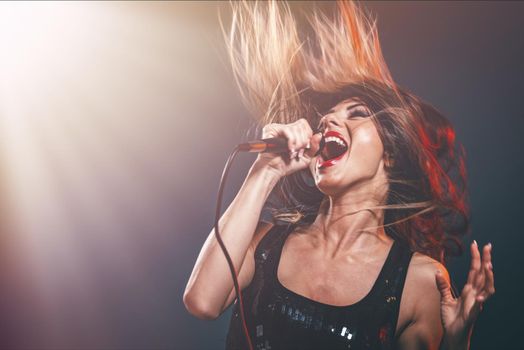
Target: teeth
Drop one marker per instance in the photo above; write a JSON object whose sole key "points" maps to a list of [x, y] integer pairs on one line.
{"points": [[335, 139]]}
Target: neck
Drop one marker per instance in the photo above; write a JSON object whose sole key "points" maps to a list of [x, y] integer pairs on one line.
{"points": [[352, 221]]}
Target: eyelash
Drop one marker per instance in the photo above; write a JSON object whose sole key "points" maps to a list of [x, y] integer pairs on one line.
{"points": [[358, 112]]}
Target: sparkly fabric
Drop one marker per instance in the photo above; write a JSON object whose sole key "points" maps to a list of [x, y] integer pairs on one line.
{"points": [[278, 318]]}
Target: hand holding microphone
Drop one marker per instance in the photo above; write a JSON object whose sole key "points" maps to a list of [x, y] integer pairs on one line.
{"points": [[285, 148]]}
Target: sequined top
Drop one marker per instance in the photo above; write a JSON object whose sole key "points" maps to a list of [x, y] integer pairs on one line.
{"points": [[279, 318]]}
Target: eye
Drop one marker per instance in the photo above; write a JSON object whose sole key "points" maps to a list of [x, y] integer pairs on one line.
{"points": [[358, 111]]}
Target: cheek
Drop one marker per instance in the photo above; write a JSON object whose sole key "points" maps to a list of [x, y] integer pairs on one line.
{"points": [[366, 133], [367, 147]]}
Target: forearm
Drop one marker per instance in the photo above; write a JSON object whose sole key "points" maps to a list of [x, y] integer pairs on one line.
{"points": [[210, 283]]}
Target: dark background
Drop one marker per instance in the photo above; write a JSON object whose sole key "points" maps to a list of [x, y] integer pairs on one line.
{"points": [[156, 98]]}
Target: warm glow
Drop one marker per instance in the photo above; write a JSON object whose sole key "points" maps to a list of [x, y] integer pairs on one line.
{"points": [[91, 95]]}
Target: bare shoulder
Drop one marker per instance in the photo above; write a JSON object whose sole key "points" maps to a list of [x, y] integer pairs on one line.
{"points": [[421, 285], [421, 295], [419, 318], [422, 269]]}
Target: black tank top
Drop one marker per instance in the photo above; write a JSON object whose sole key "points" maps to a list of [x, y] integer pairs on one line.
{"points": [[278, 318]]}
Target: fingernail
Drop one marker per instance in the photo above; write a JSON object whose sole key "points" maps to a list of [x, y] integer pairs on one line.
{"points": [[490, 266], [489, 245], [475, 242]]}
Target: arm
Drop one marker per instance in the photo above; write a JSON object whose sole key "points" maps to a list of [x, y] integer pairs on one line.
{"points": [[422, 300], [440, 321], [210, 288]]}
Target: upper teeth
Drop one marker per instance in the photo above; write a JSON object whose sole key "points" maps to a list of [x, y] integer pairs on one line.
{"points": [[335, 139]]}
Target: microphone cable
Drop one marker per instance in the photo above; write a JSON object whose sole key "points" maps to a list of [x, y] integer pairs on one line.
{"points": [[272, 145], [221, 186]]}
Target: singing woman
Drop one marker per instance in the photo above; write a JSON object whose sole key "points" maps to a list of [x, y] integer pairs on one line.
{"points": [[342, 246]]}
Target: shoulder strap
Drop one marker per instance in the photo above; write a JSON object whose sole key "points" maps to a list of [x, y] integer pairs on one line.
{"points": [[394, 279], [266, 254], [271, 242]]}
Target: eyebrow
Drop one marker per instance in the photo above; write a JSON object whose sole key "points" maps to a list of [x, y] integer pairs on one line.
{"points": [[332, 110]]}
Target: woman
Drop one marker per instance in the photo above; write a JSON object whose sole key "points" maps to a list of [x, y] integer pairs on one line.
{"points": [[355, 261]]}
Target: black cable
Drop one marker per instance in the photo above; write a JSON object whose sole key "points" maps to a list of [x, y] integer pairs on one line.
{"points": [[229, 161]]}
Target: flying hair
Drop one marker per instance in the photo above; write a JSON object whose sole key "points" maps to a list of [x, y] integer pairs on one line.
{"points": [[273, 67], [284, 74]]}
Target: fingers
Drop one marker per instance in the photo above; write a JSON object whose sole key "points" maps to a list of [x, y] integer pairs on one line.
{"points": [[488, 288], [298, 135], [479, 287], [443, 286], [294, 139], [475, 263], [475, 311], [314, 145], [481, 278]]}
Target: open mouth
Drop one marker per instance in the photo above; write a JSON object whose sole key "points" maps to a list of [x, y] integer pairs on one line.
{"points": [[334, 149]]}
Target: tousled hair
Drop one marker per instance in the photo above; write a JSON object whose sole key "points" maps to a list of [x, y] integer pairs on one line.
{"points": [[283, 77]]}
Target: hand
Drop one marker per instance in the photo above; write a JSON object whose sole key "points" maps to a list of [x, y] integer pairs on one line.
{"points": [[458, 315], [302, 146]]}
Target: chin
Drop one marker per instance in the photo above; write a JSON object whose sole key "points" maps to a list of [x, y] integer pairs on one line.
{"points": [[332, 185], [329, 185]]}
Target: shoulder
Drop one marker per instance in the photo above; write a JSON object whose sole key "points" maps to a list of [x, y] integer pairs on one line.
{"points": [[261, 231], [421, 286], [420, 304], [422, 270], [267, 235]]}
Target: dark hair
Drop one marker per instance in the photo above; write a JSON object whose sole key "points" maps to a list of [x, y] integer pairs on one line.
{"points": [[426, 202], [284, 76]]}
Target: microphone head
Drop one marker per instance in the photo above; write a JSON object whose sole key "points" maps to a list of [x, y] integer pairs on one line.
{"points": [[321, 145]]}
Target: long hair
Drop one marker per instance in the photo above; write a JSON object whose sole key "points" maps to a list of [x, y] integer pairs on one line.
{"points": [[283, 76]]}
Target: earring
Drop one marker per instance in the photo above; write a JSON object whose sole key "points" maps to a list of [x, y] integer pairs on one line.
{"points": [[389, 161]]}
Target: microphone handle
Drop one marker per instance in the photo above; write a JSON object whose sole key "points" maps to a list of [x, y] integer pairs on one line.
{"points": [[273, 145]]}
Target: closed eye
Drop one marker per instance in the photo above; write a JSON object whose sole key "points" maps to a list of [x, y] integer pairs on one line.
{"points": [[358, 110]]}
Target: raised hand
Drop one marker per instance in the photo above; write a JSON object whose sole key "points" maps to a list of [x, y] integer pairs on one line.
{"points": [[459, 315]]}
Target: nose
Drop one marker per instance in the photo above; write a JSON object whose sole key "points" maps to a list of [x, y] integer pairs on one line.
{"points": [[327, 120]]}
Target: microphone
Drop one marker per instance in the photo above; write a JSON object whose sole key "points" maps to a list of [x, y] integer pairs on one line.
{"points": [[273, 145]]}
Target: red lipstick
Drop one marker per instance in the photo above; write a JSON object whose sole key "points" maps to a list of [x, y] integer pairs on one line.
{"points": [[335, 137]]}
